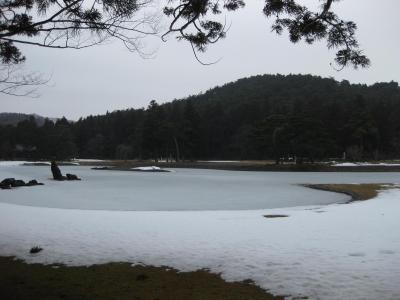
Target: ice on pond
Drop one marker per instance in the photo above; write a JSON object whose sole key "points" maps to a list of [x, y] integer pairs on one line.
{"points": [[183, 189]]}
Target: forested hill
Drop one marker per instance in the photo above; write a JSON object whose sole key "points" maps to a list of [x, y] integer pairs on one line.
{"points": [[15, 118], [261, 117]]}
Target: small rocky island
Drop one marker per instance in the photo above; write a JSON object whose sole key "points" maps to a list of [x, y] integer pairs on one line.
{"points": [[9, 183], [57, 175]]}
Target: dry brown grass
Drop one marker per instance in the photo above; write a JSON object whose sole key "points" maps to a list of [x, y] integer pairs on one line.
{"points": [[364, 191]]}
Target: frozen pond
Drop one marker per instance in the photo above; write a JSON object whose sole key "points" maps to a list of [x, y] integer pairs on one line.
{"points": [[182, 189]]}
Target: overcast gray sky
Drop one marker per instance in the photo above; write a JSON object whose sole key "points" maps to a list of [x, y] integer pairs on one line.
{"points": [[108, 77]]}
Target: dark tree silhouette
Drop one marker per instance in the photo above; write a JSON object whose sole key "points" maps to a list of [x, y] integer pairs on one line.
{"points": [[83, 23], [14, 81], [70, 24], [65, 24], [77, 24], [191, 21]]}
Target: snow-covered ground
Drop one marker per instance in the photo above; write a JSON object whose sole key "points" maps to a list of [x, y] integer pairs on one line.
{"points": [[87, 160], [220, 161], [364, 164], [332, 251], [147, 168], [32, 163], [6, 163]]}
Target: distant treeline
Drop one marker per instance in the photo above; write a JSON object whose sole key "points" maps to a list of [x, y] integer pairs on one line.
{"points": [[261, 117], [15, 118]]}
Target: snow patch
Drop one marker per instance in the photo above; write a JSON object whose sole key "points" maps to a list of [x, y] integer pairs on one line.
{"points": [[87, 160], [35, 163], [148, 168], [349, 252], [220, 161], [364, 164], [11, 163]]}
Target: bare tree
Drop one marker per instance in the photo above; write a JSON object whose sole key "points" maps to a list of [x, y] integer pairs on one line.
{"points": [[16, 82], [72, 24], [66, 24]]}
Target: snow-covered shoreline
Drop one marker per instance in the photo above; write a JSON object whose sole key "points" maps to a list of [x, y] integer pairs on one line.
{"points": [[325, 252], [11, 163], [365, 164]]}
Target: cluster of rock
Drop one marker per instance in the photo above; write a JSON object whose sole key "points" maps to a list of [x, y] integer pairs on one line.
{"points": [[9, 183], [55, 170]]}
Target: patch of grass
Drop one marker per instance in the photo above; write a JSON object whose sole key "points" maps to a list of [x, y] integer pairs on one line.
{"points": [[121, 281], [364, 191]]}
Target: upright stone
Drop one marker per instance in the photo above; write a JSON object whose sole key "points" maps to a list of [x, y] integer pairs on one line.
{"points": [[56, 171]]}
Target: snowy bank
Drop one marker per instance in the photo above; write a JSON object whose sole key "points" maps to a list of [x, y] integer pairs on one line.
{"points": [[12, 163], [364, 164], [325, 252], [149, 169], [88, 160], [220, 161]]}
